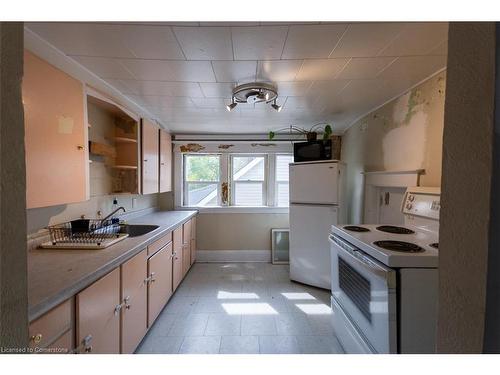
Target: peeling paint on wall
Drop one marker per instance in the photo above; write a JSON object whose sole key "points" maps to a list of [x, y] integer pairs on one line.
{"points": [[263, 144], [225, 147], [191, 147], [403, 134]]}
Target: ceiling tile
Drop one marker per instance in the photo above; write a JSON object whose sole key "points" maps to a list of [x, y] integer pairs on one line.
{"points": [[85, 39], [216, 103], [365, 67], [217, 90], [163, 88], [328, 89], [278, 70], [258, 43], [205, 43], [105, 67], [366, 39], [155, 101], [321, 69], [180, 71], [151, 42], [294, 88], [414, 67], [312, 41], [235, 71], [417, 39]]}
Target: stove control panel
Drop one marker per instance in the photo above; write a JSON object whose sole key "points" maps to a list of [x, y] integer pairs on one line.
{"points": [[419, 202]]}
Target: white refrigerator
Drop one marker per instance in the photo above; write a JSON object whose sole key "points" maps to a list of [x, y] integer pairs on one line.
{"points": [[316, 190]]}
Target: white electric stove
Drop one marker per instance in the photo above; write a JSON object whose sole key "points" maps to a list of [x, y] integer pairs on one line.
{"points": [[385, 280]]}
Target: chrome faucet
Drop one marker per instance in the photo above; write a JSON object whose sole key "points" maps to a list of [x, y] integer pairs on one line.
{"points": [[114, 212]]}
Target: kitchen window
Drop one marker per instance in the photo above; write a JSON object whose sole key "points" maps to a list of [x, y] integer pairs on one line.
{"points": [[248, 180], [225, 180], [202, 180], [282, 181]]}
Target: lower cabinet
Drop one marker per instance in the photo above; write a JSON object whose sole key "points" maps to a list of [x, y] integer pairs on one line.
{"points": [[159, 281], [114, 313], [98, 315], [193, 240], [186, 247], [177, 259], [134, 302]]}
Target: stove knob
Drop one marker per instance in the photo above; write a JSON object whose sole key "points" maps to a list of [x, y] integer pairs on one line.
{"points": [[411, 198], [409, 206]]}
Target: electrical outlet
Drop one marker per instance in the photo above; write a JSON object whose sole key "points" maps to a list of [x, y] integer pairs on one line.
{"points": [[134, 202]]}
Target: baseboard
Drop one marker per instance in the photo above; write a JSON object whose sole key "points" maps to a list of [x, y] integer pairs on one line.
{"points": [[216, 256]]}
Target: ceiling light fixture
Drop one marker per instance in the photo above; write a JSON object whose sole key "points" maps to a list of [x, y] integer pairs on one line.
{"points": [[231, 106], [276, 106], [255, 92]]}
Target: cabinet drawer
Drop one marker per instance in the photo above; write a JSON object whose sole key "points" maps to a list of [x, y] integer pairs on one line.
{"points": [[158, 244], [50, 326]]}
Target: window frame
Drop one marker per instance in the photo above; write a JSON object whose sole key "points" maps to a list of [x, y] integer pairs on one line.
{"points": [[185, 183], [277, 182], [232, 182], [269, 185]]}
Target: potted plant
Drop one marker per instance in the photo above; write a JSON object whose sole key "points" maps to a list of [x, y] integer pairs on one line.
{"points": [[311, 134]]}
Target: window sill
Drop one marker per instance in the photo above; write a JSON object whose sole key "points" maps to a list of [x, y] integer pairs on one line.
{"points": [[237, 209]]}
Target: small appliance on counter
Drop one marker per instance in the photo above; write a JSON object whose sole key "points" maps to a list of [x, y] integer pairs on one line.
{"points": [[316, 192], [385, 280]]}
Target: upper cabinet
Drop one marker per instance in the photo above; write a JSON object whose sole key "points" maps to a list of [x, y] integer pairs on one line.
{"points": [[165, 161], [114, 146], [56, 135], [150, 157]]}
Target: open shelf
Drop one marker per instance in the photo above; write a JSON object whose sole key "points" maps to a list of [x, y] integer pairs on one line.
{"points": [[124, 166], [124, 140]]}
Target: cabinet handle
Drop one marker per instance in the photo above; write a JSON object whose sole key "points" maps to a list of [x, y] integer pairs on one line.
{"points": [[80, 147], [84, 345], [118, 308], [149, 279], [36, 338], [145, 159], [126, 302]]}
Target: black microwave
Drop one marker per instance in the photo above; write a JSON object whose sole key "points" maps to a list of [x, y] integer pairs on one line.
{"points": [[312, 150]]}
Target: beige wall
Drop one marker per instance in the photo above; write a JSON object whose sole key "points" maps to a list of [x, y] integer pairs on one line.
{"points": [[13, 269], [404, 134], [465, 199], [245, 231]]}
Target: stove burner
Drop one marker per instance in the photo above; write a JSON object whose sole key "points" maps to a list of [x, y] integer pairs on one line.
{"points": [[355, 228], [394, 229], [435, 245], [399, 246]]}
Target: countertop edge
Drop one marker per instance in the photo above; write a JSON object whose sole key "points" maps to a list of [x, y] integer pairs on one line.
{"points": [[36, 311]]}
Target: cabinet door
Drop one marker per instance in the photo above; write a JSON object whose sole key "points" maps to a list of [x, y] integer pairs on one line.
{"points": [[134, 302], [186, 247], [159, 281], [193, 240], [56, 135], [98, 314], [150, 155], [165, 161], [177, 260]]}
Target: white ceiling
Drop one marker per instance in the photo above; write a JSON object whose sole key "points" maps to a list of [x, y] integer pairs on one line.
{"points": [[184, 72]]}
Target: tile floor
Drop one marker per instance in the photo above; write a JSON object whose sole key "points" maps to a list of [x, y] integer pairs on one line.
{"points": [[243, 308]]}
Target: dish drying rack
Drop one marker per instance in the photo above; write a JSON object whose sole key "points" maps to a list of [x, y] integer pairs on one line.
{"points": [[84, 234]]}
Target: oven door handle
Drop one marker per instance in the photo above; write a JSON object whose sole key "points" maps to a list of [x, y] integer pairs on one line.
{"points": [[364, 261]]}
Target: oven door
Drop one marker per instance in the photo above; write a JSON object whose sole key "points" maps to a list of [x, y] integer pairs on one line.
{"points": [[366, 292]]}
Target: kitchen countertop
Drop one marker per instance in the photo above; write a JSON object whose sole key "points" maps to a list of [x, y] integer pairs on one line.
{"points": [[56, 275]]}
